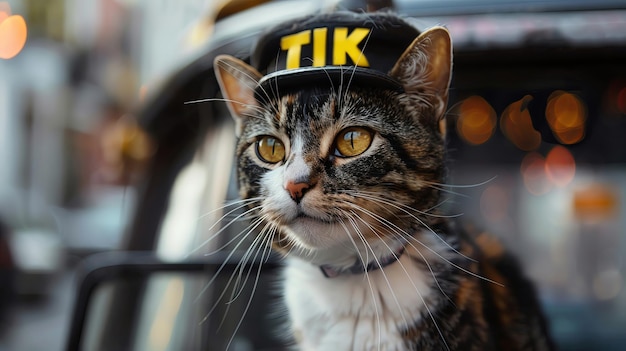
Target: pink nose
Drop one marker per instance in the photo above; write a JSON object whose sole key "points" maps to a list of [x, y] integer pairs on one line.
{"points": [[296, 190]]}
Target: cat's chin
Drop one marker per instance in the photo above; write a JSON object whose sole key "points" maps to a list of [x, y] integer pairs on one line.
{"points": [[313, 233]]}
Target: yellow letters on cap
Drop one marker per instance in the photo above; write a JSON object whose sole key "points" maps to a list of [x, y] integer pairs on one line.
{"points": [[293, 44], [348, 45], [319, 47], [344, 45]]}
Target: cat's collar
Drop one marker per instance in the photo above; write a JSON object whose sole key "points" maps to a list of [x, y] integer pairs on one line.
{"points": [[361, 267]]}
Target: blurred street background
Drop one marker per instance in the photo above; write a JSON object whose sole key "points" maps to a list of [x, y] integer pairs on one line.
{"points": [[74, 75]]}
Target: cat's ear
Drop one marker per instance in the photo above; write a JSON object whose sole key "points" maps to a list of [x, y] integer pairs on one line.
{"points": [[237, 82], [425, 68]]}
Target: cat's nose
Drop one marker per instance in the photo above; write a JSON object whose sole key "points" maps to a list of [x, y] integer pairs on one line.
{"points": [[297, 189]]}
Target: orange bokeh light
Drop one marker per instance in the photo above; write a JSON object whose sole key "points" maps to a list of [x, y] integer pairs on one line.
{"points": [[596, 201], [13, 32], [516, 124], [566, 114], [477, 120], [560, 166]]}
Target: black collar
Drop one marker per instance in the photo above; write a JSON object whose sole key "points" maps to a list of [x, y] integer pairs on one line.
{"points": [[360, 267]]}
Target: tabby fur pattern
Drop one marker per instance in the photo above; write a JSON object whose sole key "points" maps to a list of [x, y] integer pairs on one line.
{"points": [[446, 287]]}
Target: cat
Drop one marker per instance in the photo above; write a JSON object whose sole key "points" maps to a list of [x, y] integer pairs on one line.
{"points": [[341, 156]]}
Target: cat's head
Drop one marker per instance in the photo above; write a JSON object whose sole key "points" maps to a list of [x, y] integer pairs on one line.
{"points": [[342, 159]]}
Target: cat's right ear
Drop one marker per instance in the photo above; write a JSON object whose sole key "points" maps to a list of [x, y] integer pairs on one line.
{"points": [[425, 69], [237, 82]]}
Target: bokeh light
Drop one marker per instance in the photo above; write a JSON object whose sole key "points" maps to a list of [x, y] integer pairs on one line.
{"points": [[595, 202], [534, 175], [517, 126], [566, 114], [477, 120], [13, 32], [560, 166]]}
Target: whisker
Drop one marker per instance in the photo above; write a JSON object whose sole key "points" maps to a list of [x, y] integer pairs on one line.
{"points": [[276, 89], [256, 85], [354, 68], [239, 286], [258, 241], [476, 185], [456, 265], [411, 237], [399, 233], [377, 261], [250, 229], [245, 311], [421, 298], [369, 281], [257, 108], [239, 203], [216, 234], [441, 204], [452, 107], [366, 195], [332, 84], [383, 201]]}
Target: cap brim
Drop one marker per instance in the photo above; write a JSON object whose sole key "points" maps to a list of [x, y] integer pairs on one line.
{"points": [[280, 83]]}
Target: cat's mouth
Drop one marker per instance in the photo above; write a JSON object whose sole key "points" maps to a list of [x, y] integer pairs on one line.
{"points": [[313, 232], [301, 216], [306, 220]]}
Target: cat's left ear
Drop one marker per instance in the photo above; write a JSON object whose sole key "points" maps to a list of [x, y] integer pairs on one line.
{"points": [[237, 82], [425, 68]]}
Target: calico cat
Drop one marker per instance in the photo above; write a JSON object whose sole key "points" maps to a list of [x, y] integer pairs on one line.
{"points": [[341, 150]]}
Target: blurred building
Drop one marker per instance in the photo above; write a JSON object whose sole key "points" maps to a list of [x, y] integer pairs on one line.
{"points": [[72, 74]]}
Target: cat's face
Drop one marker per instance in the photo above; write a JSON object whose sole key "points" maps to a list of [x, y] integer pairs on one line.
{"points": [[344, 165]]}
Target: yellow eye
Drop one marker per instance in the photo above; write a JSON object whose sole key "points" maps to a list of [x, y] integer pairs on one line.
{"points": [[352, 141], [270, 149]]}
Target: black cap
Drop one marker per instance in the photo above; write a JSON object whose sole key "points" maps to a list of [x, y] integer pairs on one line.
{"points": [[333, 48]]}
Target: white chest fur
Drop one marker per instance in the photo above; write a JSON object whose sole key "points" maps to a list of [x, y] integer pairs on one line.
{"points": [[355, 312]]}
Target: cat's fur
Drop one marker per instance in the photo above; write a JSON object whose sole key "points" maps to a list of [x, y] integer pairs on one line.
{"points": [[448, 289]]}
